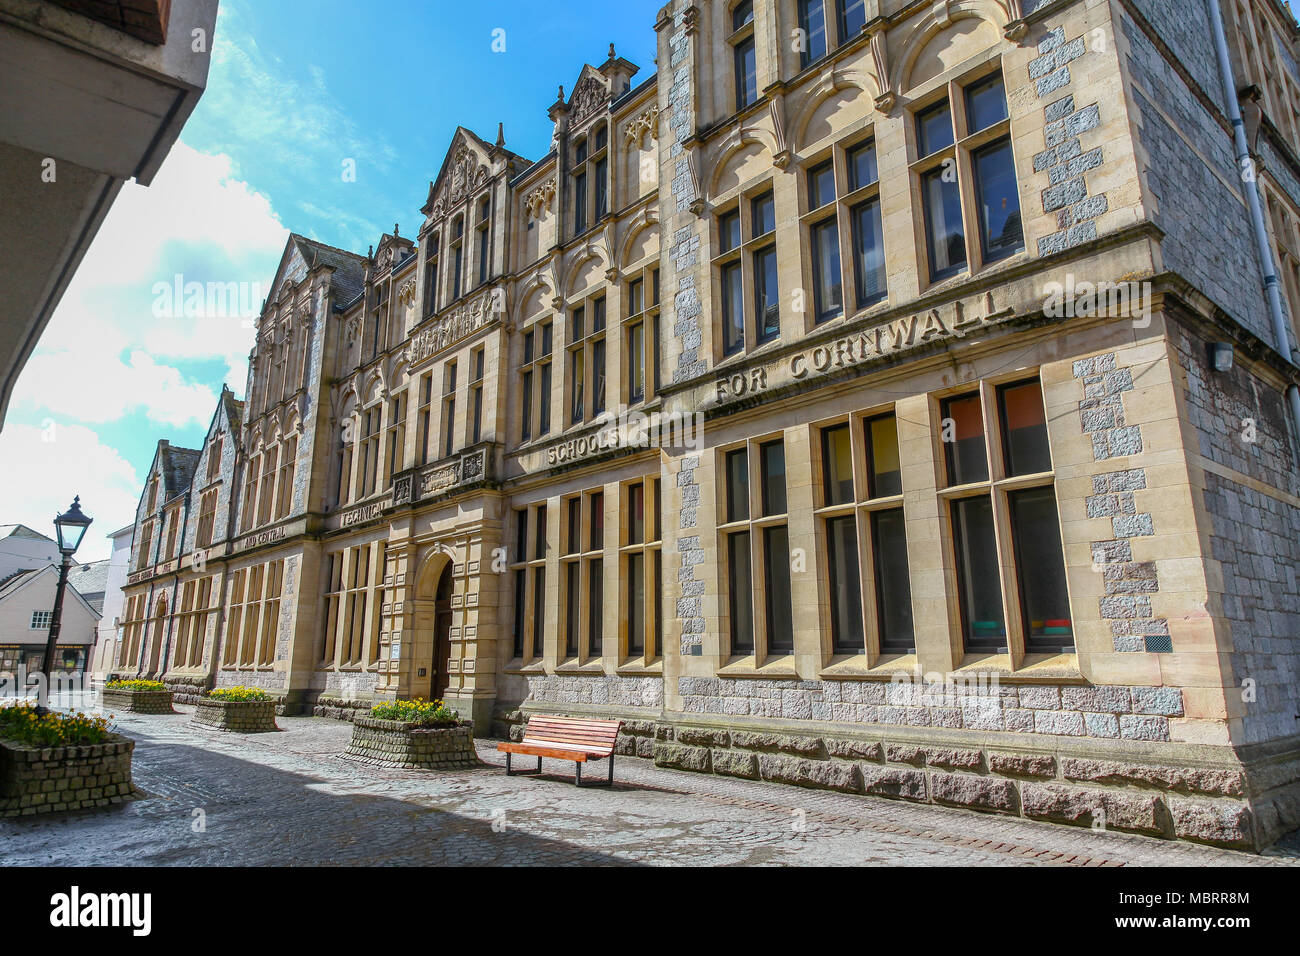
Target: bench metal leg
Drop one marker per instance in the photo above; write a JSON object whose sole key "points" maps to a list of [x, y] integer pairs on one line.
{"points": [[577, 775], [516, 773]]}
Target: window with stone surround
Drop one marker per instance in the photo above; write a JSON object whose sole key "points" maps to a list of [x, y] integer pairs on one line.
{"points": [[448, 408], [395, 438], [746, 268], [457, 256], [641, 337], [266, 488], [754, 543], [252, 620], [586, 356], [476, 363], [367, 466], [192, 622], [1286, 243], [842, 223], [1000, 498], [214, 458], [1259, 45], [862, 526], [132, 631], [424, 419], [152, 497], [590, 178], [207, 518], [640, 550], [288, 466], [483, 230], [354, 597], [431, 275], [965, 173], [172, 522], [744, 54], [813, 41], [379, 316], [535, 376], [528, 565], [143, 556], [582, 574]]}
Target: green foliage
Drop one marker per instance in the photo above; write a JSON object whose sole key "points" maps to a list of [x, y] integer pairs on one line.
{"points": [[135, 685], [418, 711], [21, 723], [239, 693]]}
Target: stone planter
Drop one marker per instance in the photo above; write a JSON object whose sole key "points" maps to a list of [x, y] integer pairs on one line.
{"points": [[236, 716], [396, 743], [47, 780], [137, 701]]}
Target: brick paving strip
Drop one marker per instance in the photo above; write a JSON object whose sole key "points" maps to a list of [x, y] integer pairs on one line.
{"points": [[292, 797]]}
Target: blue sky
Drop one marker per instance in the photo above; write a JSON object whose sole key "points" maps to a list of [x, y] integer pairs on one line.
{"points": [[294, 90]]}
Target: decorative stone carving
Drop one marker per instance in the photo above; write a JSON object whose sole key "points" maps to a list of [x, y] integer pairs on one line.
{"points": [[439, 479], [406, 292], [455, 327], [540, 199], [647, 122], [471, 466], [588, 96], [402, 490]]}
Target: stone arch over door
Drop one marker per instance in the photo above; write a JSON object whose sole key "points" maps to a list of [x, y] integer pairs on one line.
{"points": [[438, 598]]}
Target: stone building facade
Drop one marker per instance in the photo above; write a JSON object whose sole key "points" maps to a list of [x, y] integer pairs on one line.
{"points": [[845, 405]]}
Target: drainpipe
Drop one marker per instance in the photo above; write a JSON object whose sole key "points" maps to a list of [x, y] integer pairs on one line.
{"points": [[1272, 284]]}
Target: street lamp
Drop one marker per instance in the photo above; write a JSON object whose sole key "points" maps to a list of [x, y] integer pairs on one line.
{"points": [[71, 528]]}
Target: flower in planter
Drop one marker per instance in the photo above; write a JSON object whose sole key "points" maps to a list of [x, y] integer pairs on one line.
{"points": [[21, 723], [138, 685], [417, 711], [238, 693]]}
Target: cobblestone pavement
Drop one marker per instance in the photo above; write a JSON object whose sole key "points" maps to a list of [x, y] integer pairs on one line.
{"points": [[291, 798]]}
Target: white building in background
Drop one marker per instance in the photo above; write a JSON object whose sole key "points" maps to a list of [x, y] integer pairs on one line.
{"points": [[22, 549], [110, 627], [26, 605]]}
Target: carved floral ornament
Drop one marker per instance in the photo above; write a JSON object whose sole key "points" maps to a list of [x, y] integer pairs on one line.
{"points": [[406, 292], [540, 199], [647, 122], [466, 174], [588, 96]]}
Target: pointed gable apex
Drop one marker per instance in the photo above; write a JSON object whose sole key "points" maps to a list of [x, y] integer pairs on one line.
{"points": [[302, 255], [465, 167]]}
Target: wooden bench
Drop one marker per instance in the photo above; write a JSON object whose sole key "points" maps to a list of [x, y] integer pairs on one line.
{"points": [[566, 738]]}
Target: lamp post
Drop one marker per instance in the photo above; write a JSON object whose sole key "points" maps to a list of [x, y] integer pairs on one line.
{"points": [[71, 527]]}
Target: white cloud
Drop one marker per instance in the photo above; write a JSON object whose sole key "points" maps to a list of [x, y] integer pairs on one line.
{"points": [[106, 352], [45, 468]]}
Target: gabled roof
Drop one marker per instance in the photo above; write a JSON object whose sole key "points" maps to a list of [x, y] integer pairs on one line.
{"points": [[463, 137], [14, 580], [90, 581], [22, 531], [20, 579], [302, 255]]}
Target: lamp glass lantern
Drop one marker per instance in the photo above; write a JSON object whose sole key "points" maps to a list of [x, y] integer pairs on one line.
{"points": [[71, 527]]}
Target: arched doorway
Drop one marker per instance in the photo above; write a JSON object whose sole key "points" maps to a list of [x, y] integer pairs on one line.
{"points": [[439, 673]]}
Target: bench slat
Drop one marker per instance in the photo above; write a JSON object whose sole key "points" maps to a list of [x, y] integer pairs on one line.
{"points": [[578, 756]]}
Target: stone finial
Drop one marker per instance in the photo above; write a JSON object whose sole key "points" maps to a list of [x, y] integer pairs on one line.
{"points": [[501, 135], [611, 51], [396, 233]]}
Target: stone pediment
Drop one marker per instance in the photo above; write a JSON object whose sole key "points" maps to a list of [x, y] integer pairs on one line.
{"points": [[393, 248], [591, 94], [465, 170]]}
